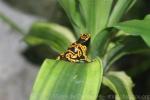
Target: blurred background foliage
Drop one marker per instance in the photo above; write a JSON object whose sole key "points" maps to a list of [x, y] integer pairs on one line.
{"points": [[135, 65], [49, 9]]}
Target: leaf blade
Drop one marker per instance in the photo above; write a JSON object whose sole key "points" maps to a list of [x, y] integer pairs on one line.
{"points": [[67, 81], [124, 47], [53, 35], [99, 43], [120, 84], [71, 9], [96, 13], [121, 7], [136, 27]]}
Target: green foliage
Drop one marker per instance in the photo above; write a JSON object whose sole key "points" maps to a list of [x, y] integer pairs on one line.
{"points": [[127, 45], [136, 27], [53, 35], [95, 14], [121, 7], [99, 43], [54, 81], [120, 84], [92, 16], [70, 6], [63, 80]]}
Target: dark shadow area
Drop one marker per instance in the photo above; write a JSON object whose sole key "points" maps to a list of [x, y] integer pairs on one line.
{"points": [[37, 54]]}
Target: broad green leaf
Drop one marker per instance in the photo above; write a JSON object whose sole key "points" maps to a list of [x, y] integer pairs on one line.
{"points": [[128, 45], [120, 8], [61, 80], [136, 27], [88, 16], [96, 13], [54, 35], [99, 43], [71, 8], [121, 84]]}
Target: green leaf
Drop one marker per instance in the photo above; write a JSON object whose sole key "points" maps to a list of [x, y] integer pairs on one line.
{"points": [[61, 80], [121, 84], [99, 43], [71, 8], [136, 27], [88, 16], [128, 45], [120, 8], [96, 14], [53, 35]]}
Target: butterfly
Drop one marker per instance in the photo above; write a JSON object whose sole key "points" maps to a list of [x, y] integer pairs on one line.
{"points": [[77, 51]]}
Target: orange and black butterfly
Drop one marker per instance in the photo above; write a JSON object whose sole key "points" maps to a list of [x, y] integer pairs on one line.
{"points": [[77, 51]]}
